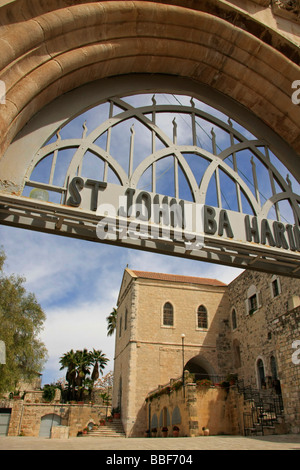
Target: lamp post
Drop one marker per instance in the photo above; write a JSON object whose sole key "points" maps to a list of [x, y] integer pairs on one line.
{"points": [[182, 343]]}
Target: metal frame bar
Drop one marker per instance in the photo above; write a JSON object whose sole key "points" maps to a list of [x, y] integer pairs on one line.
{"points": [[63, 220]]}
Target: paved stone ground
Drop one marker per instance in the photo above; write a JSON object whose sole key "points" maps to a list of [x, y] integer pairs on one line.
{"points": [[283, 442]]}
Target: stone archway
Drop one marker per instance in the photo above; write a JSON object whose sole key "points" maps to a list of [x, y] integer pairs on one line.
{"points": [[49, 49], [201, 368]]}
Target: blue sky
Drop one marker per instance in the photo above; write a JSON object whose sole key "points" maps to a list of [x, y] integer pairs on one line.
{"points": [[77, 282]]}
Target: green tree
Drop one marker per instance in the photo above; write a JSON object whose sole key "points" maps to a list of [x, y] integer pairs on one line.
{"points": [[99, 360], [49, 392], [79, 376], [111, 322], [83, 362], [68, 361], [21, 321]]}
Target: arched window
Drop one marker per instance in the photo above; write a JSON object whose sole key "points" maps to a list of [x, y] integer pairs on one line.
{"points": [[202, 317], [233, 319], [168, 314]]}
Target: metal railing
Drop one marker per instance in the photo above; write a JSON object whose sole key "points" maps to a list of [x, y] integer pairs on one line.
{"points": [[266, 408]]}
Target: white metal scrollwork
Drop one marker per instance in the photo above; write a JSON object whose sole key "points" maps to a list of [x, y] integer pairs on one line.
{"points": [[215, 158]]}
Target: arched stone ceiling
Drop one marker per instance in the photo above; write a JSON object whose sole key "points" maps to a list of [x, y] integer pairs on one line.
{"points": [[50, 48]]}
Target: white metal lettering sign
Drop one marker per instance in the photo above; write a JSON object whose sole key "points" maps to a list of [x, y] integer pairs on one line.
{"points": [[162, 172], [125, 212]]}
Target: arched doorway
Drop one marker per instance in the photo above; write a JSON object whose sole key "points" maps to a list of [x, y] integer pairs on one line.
{"points": [[201, 368], [47, 423]]}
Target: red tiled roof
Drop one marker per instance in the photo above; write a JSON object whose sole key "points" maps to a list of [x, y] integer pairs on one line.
{"points": [[178, 278]]}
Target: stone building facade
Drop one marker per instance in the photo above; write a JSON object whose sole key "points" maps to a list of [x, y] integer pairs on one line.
{"points": [[254, 334], [168, 322]]}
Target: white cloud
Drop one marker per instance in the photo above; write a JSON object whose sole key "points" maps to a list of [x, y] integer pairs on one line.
{"points": [[76, 327], [77, 284]]}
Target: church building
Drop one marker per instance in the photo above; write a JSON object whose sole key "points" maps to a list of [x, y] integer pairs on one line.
{"points": [[167, 324]]}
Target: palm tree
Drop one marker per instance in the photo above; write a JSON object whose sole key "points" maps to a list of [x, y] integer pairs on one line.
{"points": [[68, 360], [83, 362], [78, 366], [111, 322], [100, 360]]}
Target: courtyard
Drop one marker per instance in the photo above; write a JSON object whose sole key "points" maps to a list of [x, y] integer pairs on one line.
{"points": [[279, 442]]}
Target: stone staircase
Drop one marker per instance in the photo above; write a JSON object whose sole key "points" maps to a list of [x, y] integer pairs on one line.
{"points": [[265, 411], [110, 429]]}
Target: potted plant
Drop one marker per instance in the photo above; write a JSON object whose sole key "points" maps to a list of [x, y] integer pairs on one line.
{"points": [[204, 383], [205, 431], [153, 432], [85, 431], [116, 413], [164, 431], [147, 433], [175, 431], [102, 422]]}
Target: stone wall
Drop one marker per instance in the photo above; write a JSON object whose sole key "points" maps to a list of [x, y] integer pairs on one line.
{"points": [[287, 331], [254, 332], [26, 417], [214, 408], [267, 335]]}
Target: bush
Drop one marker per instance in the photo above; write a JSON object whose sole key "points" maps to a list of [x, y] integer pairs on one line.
{"points": [[49, 392]]}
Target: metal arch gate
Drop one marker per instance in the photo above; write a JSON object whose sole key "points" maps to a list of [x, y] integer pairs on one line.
{"points": [[230, 237]]}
